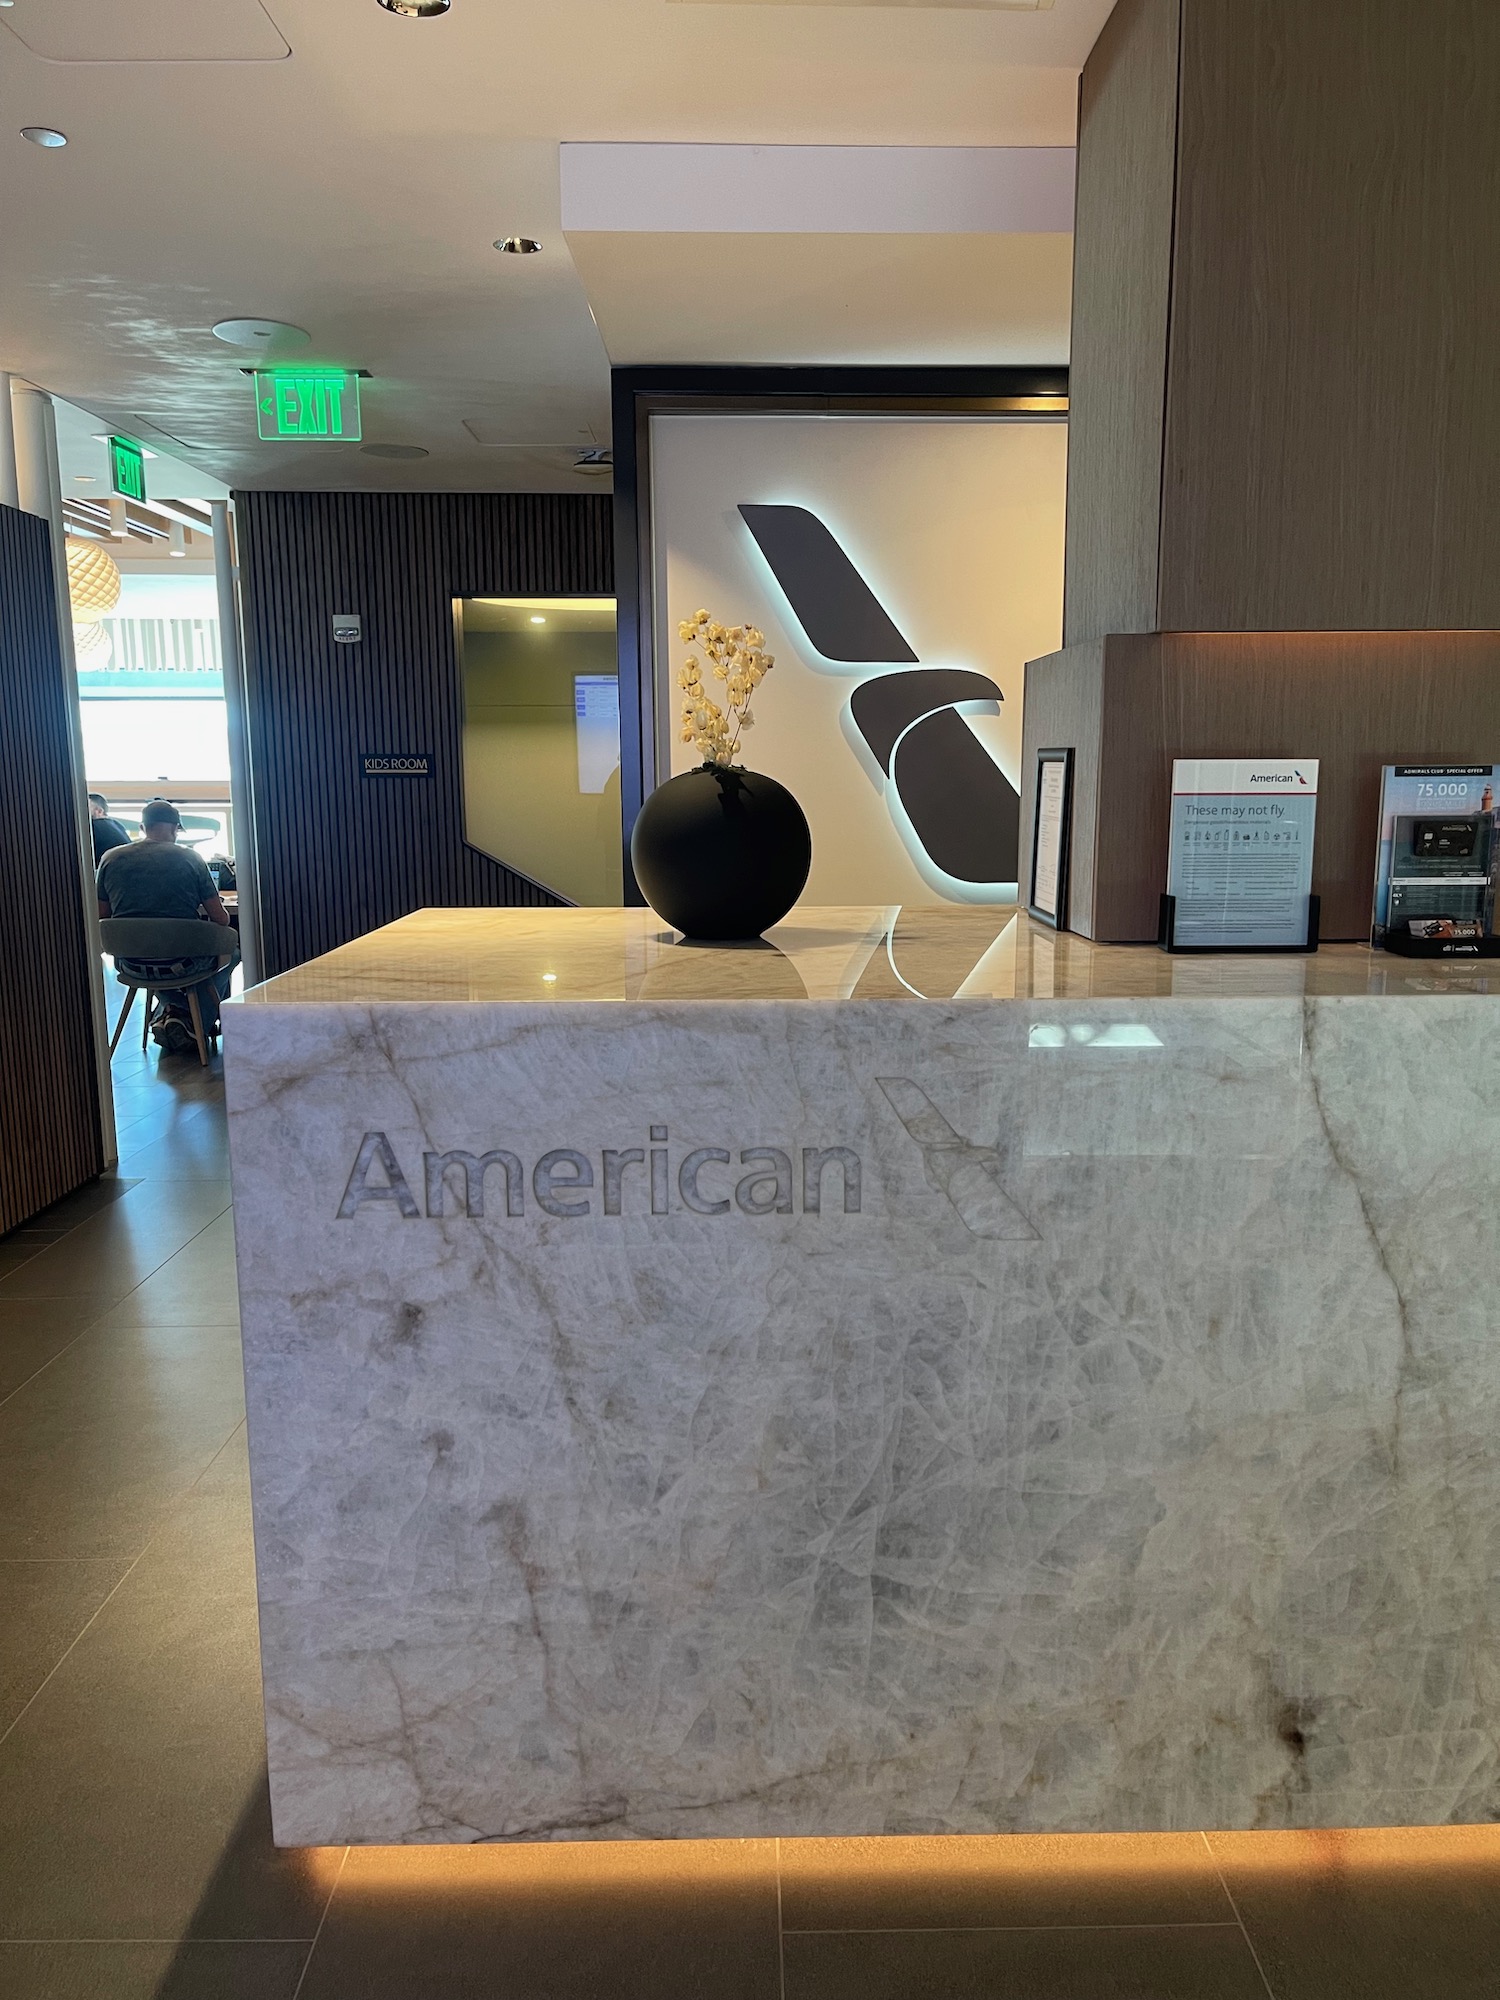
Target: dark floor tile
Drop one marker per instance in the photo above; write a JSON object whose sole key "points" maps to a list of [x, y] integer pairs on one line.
{"points": [[171, 1304], [150, 1971], [199, 1151], [1408, 1914], [894, 1883], [74, 1208], [136, 1125], [116, 1250], [181, 1081], [148, 1097], [132, 1790], [50, 1224], [43, 1608], [195, 1287], [34, 1331], [141, 1093], [681, 1920], [1209, 1962], [97, 1446]]}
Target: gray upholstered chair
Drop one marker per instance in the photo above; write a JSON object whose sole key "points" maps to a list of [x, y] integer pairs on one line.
{"points": [[164, 941]]}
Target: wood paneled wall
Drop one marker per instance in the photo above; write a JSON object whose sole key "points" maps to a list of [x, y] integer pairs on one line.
{"points": [[1122, 281], [339, 853], [1328, 455], [49, 1107], [1354, 700]]}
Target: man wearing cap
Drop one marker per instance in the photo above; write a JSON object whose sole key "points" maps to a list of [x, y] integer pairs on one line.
{"points": [[108, 832], [155, 877]]}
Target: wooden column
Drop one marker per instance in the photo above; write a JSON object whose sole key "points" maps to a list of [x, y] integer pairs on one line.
{"points": [[1285, 409], [50, 1140]]}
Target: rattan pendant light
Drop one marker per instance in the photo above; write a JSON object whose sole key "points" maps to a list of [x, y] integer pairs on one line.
{"points": [[92, 646], [93, 580]]}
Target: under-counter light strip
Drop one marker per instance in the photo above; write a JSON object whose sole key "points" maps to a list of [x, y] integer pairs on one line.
{"points": [[913, 1858]]}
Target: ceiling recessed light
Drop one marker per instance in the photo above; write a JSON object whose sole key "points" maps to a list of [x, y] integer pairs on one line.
{"points": [[417, 10], [43, 135], [394, 450], [267, 336], [518, 246], [83, 478], [537, 618]]}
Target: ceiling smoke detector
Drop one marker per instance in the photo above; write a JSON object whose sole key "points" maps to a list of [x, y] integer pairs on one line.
{"points": [[267, 336], [417, 10], [518, 246], [598, 461]]}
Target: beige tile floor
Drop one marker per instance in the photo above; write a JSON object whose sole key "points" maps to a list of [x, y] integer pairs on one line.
{"points": [[135, 1853]]}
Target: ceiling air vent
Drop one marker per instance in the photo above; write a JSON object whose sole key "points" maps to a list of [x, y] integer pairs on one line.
{"points": [[972, 6], [154, 31]]}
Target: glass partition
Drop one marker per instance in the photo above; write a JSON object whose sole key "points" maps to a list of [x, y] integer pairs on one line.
{"points": [[542, 739]]}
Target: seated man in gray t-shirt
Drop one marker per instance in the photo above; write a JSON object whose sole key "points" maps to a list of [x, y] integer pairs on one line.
{"points": [[155, 877]]}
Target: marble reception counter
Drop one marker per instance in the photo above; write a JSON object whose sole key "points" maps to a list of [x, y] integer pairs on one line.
{"points": [[925, 1375]]}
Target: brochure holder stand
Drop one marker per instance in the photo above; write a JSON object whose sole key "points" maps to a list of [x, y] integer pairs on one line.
{"points": [[1166, 934], [1438, 861]]}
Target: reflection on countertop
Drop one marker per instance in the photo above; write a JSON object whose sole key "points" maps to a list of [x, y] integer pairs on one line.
{"points": [[936, 952]]}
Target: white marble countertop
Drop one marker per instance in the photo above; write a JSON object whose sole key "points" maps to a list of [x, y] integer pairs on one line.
{"points": [[893, 953]]}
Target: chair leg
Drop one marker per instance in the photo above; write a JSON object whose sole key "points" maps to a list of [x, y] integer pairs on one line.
{"points": [[146, 1024], [130, 993], [197, 1013]]}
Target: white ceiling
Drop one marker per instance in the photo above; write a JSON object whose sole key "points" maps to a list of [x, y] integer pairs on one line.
{"points": [[852, 254], [354, 187], [83, 459], [863, 300]]}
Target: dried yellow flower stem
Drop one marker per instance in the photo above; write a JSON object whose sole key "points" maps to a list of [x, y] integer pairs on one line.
{"points": [[736, 655]]}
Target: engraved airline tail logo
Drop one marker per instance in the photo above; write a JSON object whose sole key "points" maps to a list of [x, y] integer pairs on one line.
{"points": [[970, 1176], [630, 1180]]}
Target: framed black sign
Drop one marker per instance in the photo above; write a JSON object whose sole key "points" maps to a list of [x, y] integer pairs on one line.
{"points": [[1051, 838]]}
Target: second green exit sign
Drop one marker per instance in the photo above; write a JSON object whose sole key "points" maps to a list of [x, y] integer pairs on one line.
{"points": [[127, 468], [307, 403]]}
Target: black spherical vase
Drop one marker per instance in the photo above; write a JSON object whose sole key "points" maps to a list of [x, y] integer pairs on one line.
{"points": [[721, 854]]}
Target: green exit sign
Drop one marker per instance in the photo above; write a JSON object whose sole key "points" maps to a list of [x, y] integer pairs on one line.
{"points": [[307, 403], [127, 468]]}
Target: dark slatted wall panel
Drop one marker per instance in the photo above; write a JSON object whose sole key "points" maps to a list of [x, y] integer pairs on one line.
{"points": [[339, 853], [49, 1108]]}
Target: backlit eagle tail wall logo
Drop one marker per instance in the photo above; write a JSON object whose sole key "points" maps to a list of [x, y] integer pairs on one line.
{"points": [[957, 811]]}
